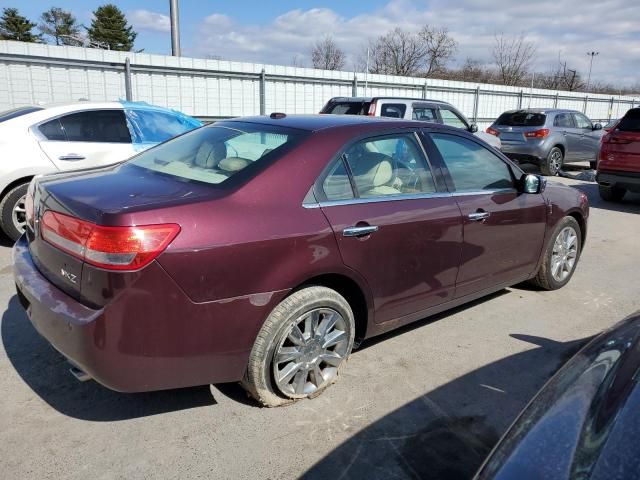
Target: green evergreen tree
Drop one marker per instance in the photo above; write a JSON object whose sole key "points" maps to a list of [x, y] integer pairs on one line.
{"points": [[59, 25], [14, 26], [109, 27]]}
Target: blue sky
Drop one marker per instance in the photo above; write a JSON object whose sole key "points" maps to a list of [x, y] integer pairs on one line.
{"points": [[283, 31]]}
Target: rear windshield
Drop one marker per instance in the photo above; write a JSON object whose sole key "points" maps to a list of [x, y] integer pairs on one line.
{"points": [[17, 112], [347, 108], [216, 153], [522, 119], [631, 121]]}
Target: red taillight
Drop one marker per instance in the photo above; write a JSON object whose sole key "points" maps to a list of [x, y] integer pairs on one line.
{"points": [[372, 109], [612, 138], [542, 133], [493, 131], [112, 248]]}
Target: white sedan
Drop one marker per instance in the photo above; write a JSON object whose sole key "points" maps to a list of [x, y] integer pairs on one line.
{"points": [[38, 140]]}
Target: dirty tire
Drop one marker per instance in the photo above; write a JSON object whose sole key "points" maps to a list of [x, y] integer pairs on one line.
{"points": [[593, 164], [544, 278], [259, 379], [7, 205], [611, 194], [551, 165]]}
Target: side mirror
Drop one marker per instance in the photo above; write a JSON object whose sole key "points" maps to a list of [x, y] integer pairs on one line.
{"points": [[473, 128], [530, 183], [597, 126]]}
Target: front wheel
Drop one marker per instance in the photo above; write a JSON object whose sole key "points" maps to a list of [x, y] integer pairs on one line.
{"points": [[561, 256], [13, 213], [551, 165], [301, 348]]}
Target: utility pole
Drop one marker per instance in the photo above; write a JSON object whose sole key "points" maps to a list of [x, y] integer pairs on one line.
{"points": [[591, 54], [175, 28]]}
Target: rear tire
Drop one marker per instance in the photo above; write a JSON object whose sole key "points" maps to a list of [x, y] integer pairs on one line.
{"points": [[565, 245], [611, 194], [551, 165], [12, 212], [593, 164], [290, 360]]}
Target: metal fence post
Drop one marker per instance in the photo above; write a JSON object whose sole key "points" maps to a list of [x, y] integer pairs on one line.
{"points": [[476, 101], [586, 103], [610, 108], [263, 98], [555, 100], [354, 87], [127, 80], [520, 95], [425, 88]]}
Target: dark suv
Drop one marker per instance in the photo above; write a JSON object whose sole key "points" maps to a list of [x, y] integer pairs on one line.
{"points": [[548, 137]]}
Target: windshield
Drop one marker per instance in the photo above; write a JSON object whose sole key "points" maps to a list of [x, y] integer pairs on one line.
{"points": [[215, 153], [521, 119], [631, 121], [347, 108], [17, 112]]}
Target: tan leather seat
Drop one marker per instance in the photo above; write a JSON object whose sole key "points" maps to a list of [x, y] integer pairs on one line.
{"points": [[233, 164], [373, 173], [207, 155]]}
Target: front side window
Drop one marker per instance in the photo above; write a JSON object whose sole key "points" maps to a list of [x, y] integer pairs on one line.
{"points": [[151, 126], [452, 119], [381, 167], [471, 166], [215, 153], [582, 121], [106, 126], [393, 110]]}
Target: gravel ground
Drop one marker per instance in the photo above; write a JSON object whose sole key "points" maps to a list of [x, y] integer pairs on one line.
{"points": [[428, 401]]}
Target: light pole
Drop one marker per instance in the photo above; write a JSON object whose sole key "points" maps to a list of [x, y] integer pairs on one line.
{"points": [[175, 28], [591, 54]]}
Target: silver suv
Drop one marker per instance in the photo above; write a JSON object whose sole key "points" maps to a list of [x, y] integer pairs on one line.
{"points": [[548, 137]]}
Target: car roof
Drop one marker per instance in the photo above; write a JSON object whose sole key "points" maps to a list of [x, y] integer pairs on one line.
{"points": [[543, 110], [370, 99], [323, 121], [319, 122]]}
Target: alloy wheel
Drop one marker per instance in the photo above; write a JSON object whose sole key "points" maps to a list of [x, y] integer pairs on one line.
{"points": [[19, 214], [310, 352], [555, 162], [564, 254]]}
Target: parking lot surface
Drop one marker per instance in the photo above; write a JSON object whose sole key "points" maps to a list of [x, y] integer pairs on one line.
{"points": [[427, 401]]}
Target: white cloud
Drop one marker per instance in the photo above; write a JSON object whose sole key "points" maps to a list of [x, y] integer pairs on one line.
{"points": [[146, 20], [566, 27]]}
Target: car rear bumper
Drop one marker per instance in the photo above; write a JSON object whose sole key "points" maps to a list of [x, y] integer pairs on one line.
{"points": [[627, 180], [143, 341], [526, 152]]}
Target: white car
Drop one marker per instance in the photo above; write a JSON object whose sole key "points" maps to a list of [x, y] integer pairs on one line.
{"points": [[38, 140], [435, 111]]}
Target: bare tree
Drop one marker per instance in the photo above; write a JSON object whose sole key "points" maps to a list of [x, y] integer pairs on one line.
{"points": [[561, 78], [326, 55], [439, 46], [513, 57], [298, 61]]}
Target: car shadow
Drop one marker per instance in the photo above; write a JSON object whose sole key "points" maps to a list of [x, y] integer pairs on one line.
{"points": [[46, 372], [448, 432], [629, 204]]}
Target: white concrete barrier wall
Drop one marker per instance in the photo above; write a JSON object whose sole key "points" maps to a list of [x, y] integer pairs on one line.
{"points": [[38, 74]]}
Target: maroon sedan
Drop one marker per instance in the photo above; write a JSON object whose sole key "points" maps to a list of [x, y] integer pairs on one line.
{"points": [[262, 249]]}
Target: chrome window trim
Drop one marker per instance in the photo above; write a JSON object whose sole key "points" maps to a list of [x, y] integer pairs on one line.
{"points": [[395, 198]]}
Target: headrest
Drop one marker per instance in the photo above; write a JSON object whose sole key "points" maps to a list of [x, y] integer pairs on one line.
{"points": [[372, 170], [233, 164]]}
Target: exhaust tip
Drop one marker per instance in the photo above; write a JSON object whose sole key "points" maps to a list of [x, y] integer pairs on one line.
{"points": [[80, 375]]}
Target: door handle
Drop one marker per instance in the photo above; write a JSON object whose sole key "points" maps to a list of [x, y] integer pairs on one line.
{"points": [[71, 156], [479, 216], [359, 231]]}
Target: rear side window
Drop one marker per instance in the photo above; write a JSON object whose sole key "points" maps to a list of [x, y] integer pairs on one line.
{"points": [[393, 110], [522, 119], [347, 108], [17, 112], [471, 166], [214, 154], [425, 114], [156, 127], [452, 119], [563, 120], [107, 126], [52, 130], [631, 121]]}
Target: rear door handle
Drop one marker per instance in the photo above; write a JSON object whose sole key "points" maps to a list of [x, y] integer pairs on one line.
{"points": [[479, 216], [71, 156], [359, 231]]}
